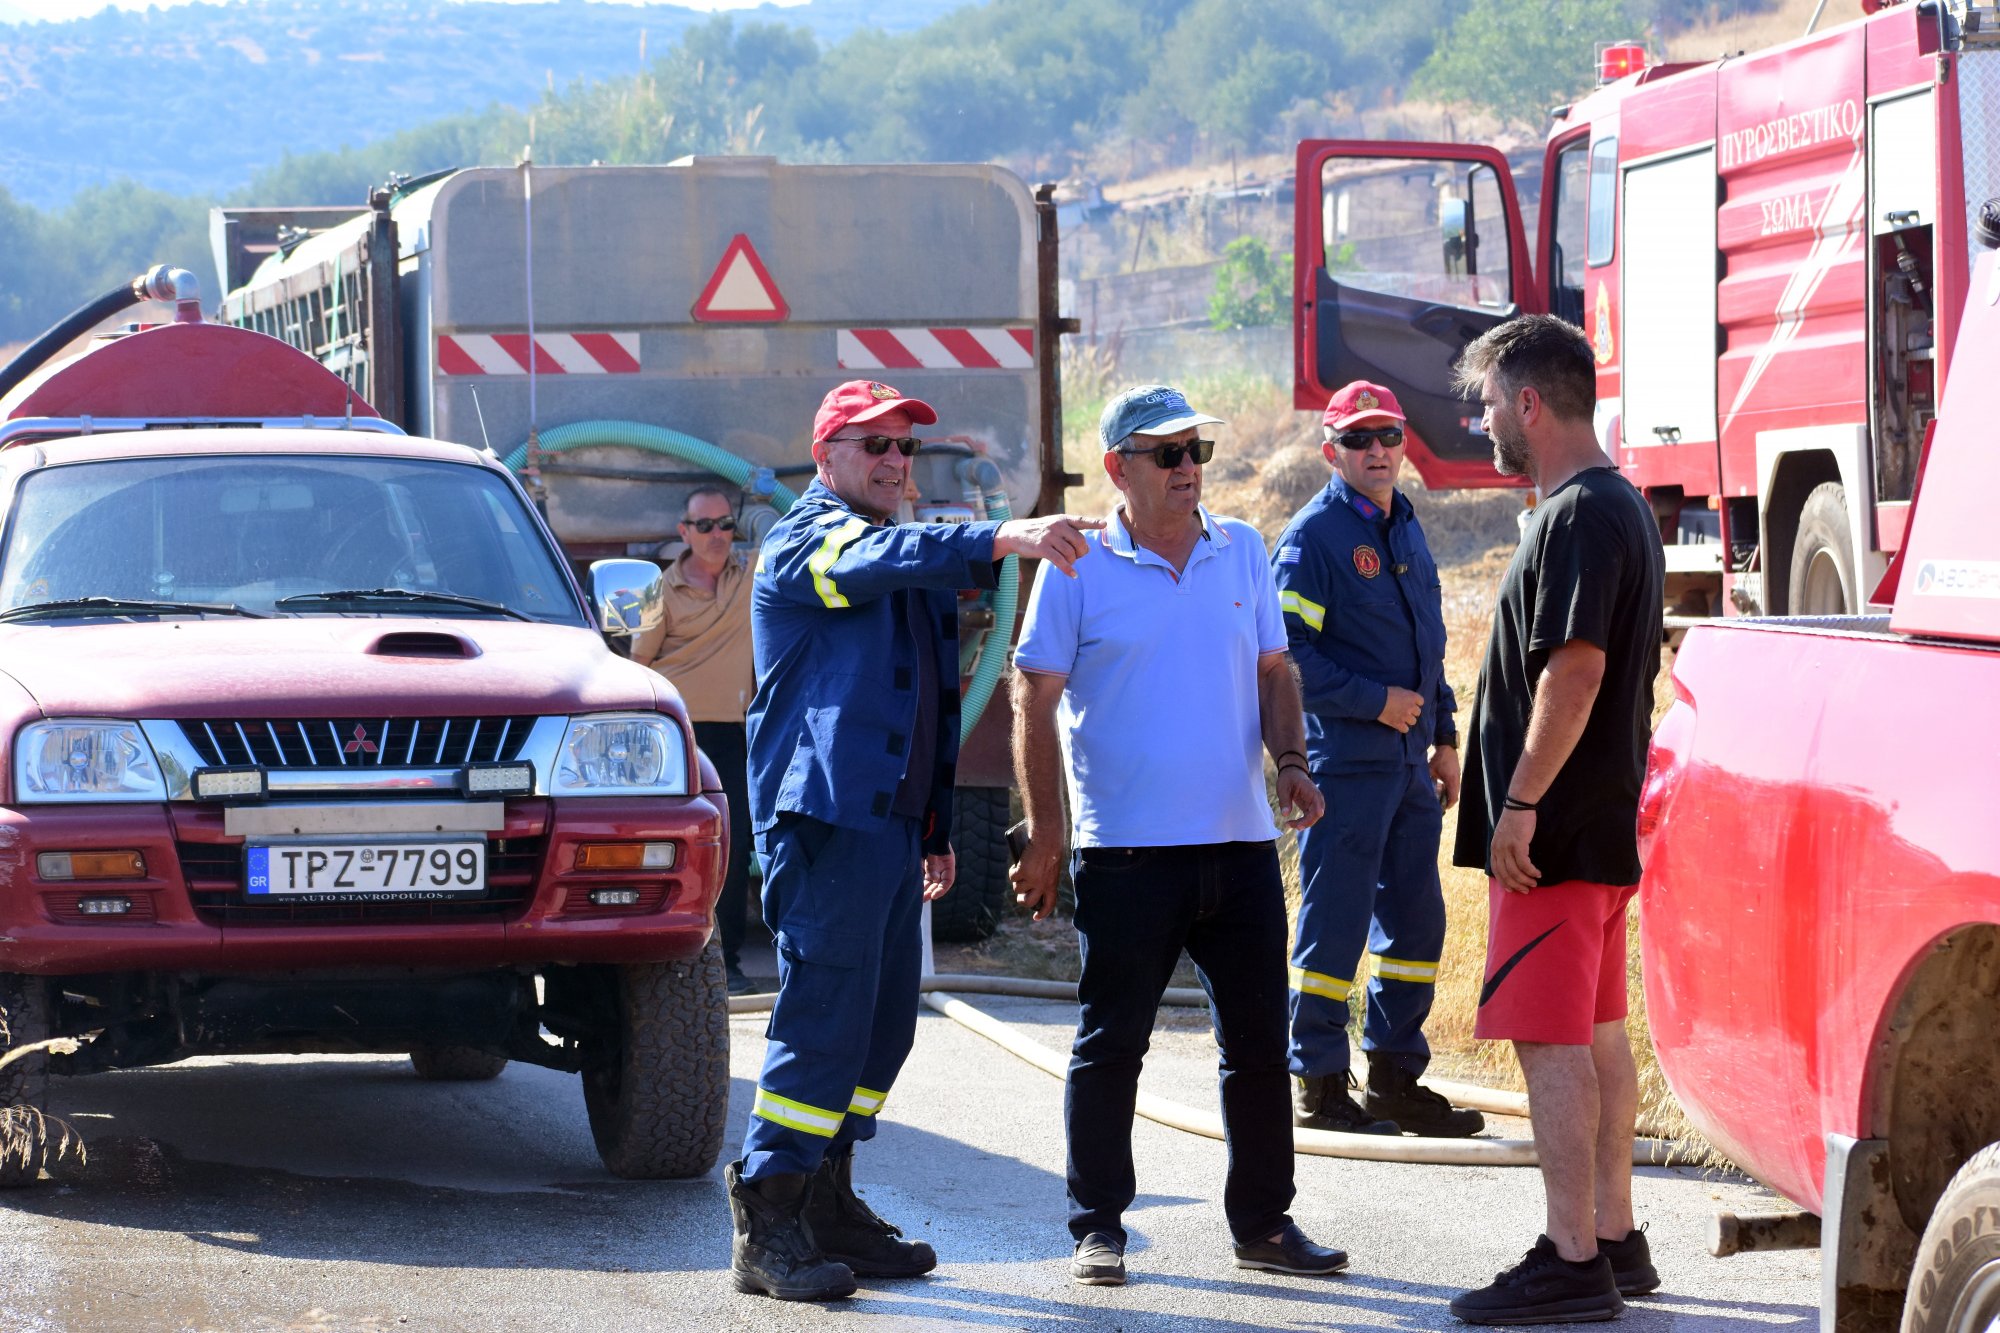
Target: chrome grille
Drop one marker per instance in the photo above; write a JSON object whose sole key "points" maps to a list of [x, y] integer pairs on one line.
{"points": [[395, 742]]}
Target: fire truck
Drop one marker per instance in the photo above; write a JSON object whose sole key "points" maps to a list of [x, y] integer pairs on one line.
{"points": [[1769, 253], [622, 334]]}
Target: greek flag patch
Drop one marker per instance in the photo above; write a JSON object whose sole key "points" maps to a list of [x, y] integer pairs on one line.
{"points": [[1289, 555]]}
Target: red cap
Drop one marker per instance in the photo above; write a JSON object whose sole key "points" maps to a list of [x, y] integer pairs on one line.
{"points": [[1358, 402], [863, 400]]}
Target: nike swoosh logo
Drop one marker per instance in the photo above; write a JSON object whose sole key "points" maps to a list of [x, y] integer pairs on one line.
{"points": [[1500, 972]]}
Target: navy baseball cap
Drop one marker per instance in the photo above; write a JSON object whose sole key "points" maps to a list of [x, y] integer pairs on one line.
{"points": [[1150, 409]]}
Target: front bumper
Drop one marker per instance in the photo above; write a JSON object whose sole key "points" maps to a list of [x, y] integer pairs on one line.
{"points": [[190, 913]]}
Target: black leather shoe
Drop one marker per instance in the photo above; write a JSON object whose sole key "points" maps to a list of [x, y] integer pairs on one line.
{"points": [[1394, 1094], [849, 1232], [1099, 1261], [1545, 1288], [1631, 1263], [1324, 1103], [1290, 1252], [773, 1250]]}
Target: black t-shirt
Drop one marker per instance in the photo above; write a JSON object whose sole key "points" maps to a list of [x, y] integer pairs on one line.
{"points": [[1589, 567]]}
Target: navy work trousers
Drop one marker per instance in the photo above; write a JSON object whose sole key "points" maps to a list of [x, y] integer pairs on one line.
{"points": [[1136, 909], [847, 907], [1368, 874]]}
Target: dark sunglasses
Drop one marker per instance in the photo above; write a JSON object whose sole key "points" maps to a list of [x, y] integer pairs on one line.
{"points": [[1168, 456], [1390, 437], [708, 525], [877, 445]]}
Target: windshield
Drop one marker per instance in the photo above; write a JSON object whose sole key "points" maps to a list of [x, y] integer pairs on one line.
{"points": [[250, 531]]}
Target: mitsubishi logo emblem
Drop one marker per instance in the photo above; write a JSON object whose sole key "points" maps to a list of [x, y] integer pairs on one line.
{"points": [[360, 743]]}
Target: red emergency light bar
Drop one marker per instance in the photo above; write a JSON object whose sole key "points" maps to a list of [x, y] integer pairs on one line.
{"points": [[1617, 60]]}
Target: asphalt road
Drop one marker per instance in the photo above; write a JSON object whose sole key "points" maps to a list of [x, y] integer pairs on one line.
{"points": [[327, 1193]]}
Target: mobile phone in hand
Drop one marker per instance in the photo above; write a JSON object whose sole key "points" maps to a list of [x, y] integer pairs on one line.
{"points": [[1017, 842]]}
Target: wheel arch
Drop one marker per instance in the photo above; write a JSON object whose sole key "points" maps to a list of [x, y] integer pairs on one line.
{"points": [[1936, 1096]]}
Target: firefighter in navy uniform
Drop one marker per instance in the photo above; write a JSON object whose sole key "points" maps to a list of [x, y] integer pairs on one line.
{"points": [[1364, 616], [853, 734]]}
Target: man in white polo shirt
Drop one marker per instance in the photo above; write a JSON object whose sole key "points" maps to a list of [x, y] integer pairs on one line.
{"points": [[1153, 680]]}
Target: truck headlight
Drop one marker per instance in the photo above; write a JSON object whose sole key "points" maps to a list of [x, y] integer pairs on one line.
{"points": [[621, 754], [80, 759]]}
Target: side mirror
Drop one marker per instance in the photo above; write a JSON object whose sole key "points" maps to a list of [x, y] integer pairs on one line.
{"points": [[628, 596]]}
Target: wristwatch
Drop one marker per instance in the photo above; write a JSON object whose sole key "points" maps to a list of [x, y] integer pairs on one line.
{"points": [[1445, 742]]}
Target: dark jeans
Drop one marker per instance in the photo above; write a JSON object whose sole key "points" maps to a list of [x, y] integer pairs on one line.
{"points": [[1136, 909], [726, 747]]}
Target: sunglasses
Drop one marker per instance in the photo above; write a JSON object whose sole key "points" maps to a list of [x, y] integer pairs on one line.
{"points": [[1389, 437], [708, 525], [877, 445], [1168, 456]]}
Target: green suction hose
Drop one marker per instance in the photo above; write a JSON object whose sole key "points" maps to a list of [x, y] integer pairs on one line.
{"points": [[657, 440]]}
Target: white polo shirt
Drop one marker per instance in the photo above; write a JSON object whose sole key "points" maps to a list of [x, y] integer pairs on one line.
{"points": [[1159, 719]]}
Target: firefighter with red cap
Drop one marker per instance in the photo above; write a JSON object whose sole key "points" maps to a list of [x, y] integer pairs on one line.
{"points": [[853, 734], [1365, 620]]}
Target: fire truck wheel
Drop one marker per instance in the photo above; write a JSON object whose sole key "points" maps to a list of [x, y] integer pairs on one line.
{"points": [[659, 1097], [1955, 1287], [1822, 581], [981, 895], [455, 1064], [24, 1083]]}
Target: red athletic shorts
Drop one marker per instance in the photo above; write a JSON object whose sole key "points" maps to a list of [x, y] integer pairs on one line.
{"points": [[1555, 962]]}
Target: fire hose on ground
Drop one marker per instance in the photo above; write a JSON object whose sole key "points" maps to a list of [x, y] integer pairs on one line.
{"points": [[938, 995]]}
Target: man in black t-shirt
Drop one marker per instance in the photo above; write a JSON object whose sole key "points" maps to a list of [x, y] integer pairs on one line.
{"points": [[1556, 755]]}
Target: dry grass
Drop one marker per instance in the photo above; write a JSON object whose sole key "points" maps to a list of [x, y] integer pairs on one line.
{"points": [[1780, 22], [1267, 465]]}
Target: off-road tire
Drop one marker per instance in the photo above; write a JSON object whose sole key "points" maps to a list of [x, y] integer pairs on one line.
{"points": [[25, 1082], [659, 1095], [1823, 548], [981, 895], [455, 1064], [1955, 1287]]}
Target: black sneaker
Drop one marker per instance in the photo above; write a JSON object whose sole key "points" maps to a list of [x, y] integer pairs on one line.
{"points": [[1324, 1102], [1545, 1288], [1631, 1263], [1394, 1094], [1290, 1252], [740, 984], [1099, 1261]]}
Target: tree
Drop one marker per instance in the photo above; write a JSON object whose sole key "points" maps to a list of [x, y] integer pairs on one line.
{"points": [[1251, 287], [1519, 58]]}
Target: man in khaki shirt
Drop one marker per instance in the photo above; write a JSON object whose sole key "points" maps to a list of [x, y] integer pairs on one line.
{"points": [[703, 647]]}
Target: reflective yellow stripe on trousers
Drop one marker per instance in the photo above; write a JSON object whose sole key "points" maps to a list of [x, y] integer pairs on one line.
{"points": [[796, 1115], [1402, 969], [866, 1101], [1319, 983]]}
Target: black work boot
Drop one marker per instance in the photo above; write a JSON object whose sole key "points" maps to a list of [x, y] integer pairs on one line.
{"points": [[1323, 1102], [1394, 1094], [773, 1251], [849, 1231]]}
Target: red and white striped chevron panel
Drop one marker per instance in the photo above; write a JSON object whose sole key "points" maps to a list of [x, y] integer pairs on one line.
{"points": [[555, 353], [935, 349]]}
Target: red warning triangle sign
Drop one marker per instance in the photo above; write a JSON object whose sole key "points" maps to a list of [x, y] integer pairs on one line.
{"points": [[741, 288]]}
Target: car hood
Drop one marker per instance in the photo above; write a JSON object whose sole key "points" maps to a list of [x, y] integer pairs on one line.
{"points": [[321, 666]]}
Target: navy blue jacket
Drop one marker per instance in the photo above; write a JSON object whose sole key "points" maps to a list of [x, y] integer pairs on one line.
{"points": [[837, 674], [1363, 611]]}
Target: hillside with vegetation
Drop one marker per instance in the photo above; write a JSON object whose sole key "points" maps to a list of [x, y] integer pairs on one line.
{"points": [[1102, 89]]}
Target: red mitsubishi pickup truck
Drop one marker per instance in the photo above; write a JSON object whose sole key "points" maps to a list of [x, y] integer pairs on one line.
{"points": [[311, 742], [1821, 903]]}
